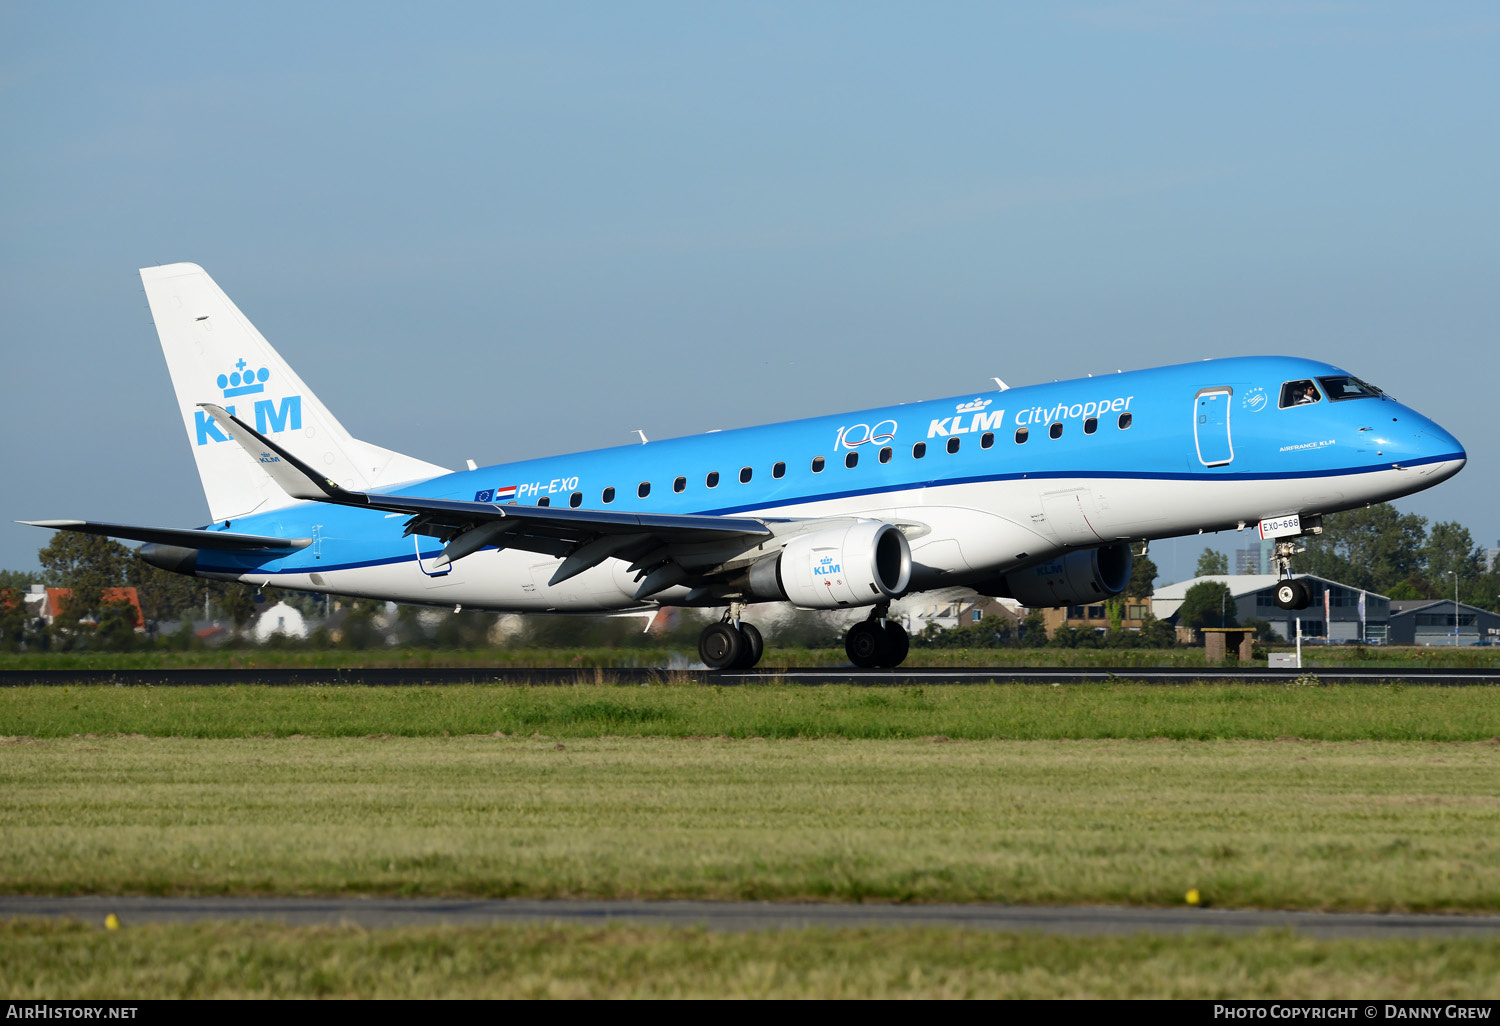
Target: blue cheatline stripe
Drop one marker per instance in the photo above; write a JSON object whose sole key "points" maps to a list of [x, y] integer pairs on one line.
{"points": [[855, 493], [1110, 475]]}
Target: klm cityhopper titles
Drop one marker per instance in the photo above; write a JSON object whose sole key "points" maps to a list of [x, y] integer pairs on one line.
{"points": [[1034, 493]]}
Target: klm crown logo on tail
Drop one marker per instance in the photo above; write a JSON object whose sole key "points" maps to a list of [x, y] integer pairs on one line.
{"points": [[271, 417]]}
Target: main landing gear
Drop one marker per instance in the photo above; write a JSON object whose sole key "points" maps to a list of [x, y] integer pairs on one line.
{"points": [[877, 641], [730, 644]]}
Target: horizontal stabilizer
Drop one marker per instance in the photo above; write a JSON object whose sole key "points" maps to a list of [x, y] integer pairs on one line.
{"points": [[181, 537]]}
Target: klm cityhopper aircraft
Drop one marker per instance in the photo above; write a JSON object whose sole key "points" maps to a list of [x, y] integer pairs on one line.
{"points": [[1034, 493]]}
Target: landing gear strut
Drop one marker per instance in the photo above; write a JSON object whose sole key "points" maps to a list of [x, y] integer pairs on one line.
{"points": [[877, 641], [730, 644]]}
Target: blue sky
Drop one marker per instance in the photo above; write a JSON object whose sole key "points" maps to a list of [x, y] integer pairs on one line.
{"points": [[504, 230]]}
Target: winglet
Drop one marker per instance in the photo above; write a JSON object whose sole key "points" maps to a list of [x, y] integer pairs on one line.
{"points": [[296, 478]]}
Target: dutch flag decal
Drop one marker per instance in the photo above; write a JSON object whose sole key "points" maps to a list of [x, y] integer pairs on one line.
{"points": [[508, 492]]}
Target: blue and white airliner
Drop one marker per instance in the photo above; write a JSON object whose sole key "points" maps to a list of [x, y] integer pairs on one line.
{"points": [[1033, 492]]}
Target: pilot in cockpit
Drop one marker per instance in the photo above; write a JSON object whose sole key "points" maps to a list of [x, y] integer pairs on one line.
{"points": [[1299, 393]]}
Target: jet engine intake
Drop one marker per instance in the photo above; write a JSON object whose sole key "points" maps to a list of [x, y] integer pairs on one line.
{"points": [[869, 561], [1082, 576]]}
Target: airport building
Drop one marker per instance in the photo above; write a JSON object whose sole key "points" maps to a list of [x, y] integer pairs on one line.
{"points": [[1442, 622], [1351, 614]]}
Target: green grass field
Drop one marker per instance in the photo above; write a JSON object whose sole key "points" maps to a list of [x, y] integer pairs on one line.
{"points": [[1347, 825], [258, 960], [1372, 798], [1008, 711], [776, 657]]}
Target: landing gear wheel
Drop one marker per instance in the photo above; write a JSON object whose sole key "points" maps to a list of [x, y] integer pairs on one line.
{"points": [[753, 646], [897, 643], [1293, 594], [1288, 594], [720, 646], [867, 644]]}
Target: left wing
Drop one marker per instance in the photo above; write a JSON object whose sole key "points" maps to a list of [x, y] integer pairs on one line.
{"points": [[664, 549]]}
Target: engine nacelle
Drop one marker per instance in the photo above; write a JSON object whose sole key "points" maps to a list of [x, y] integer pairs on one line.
{"points": [[869, 561], [1087, 575]]}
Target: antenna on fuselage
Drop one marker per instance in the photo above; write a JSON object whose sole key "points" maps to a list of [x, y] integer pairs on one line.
{"points": [[1000, 384], [642, 434]]}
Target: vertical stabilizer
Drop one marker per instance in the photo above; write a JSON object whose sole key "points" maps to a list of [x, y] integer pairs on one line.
{"points": [[215, 355]]}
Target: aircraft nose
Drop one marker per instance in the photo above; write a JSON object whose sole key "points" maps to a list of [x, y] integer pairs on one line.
{"points": [[1437, 447]]}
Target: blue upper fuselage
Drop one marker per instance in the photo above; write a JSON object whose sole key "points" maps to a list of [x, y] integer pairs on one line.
{"points": [[1230, 418]]}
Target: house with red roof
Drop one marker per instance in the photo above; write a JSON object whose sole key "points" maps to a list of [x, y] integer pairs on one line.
{"points": [[48, 602]]}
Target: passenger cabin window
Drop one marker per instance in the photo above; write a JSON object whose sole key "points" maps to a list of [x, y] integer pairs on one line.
{"points": [[1300, 393], [1055, 431], [1091, 425], [609, 495], [679, 484], [851, 460], [1021, 435], [1125, 420], [885, 455], [953, 444], [712, 480], [644, 490], [745, 473], [1342, 387], [987, 439], [575, 500], [545, 500], [919, 450], [778, 471], [818, 464]]}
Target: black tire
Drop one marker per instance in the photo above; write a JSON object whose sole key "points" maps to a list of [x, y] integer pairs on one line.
{"points": [[1304, 596], [720, 646], [1288, 594], [754, 645], [866, 644], [897, 643]]}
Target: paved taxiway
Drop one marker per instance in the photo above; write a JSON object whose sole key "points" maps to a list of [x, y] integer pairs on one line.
{"points": [[746, 915]]}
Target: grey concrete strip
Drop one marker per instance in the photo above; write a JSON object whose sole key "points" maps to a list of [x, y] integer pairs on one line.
{"points": [[746, 915], [432, 676]]}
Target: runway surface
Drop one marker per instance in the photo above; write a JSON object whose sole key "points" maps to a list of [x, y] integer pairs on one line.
{"points": [[408, 676], [740, 916]]}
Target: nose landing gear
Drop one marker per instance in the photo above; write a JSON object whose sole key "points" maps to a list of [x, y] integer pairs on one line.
{"points": [[1290, 592], [877, 641], [1293, 594]]}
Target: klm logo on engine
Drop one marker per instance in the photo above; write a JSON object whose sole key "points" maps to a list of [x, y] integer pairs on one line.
{"points": [[272, 416], [826, 567]]}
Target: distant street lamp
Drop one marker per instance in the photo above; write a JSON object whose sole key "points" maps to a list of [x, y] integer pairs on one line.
{"points": [[1455, 607]]}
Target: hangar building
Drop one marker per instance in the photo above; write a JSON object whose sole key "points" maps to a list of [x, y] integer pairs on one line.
{"points": [[1352, 613]]}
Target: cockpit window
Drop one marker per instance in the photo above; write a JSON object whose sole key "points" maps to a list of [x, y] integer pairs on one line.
{"points": [[1346, 387], [1300, 393]]}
